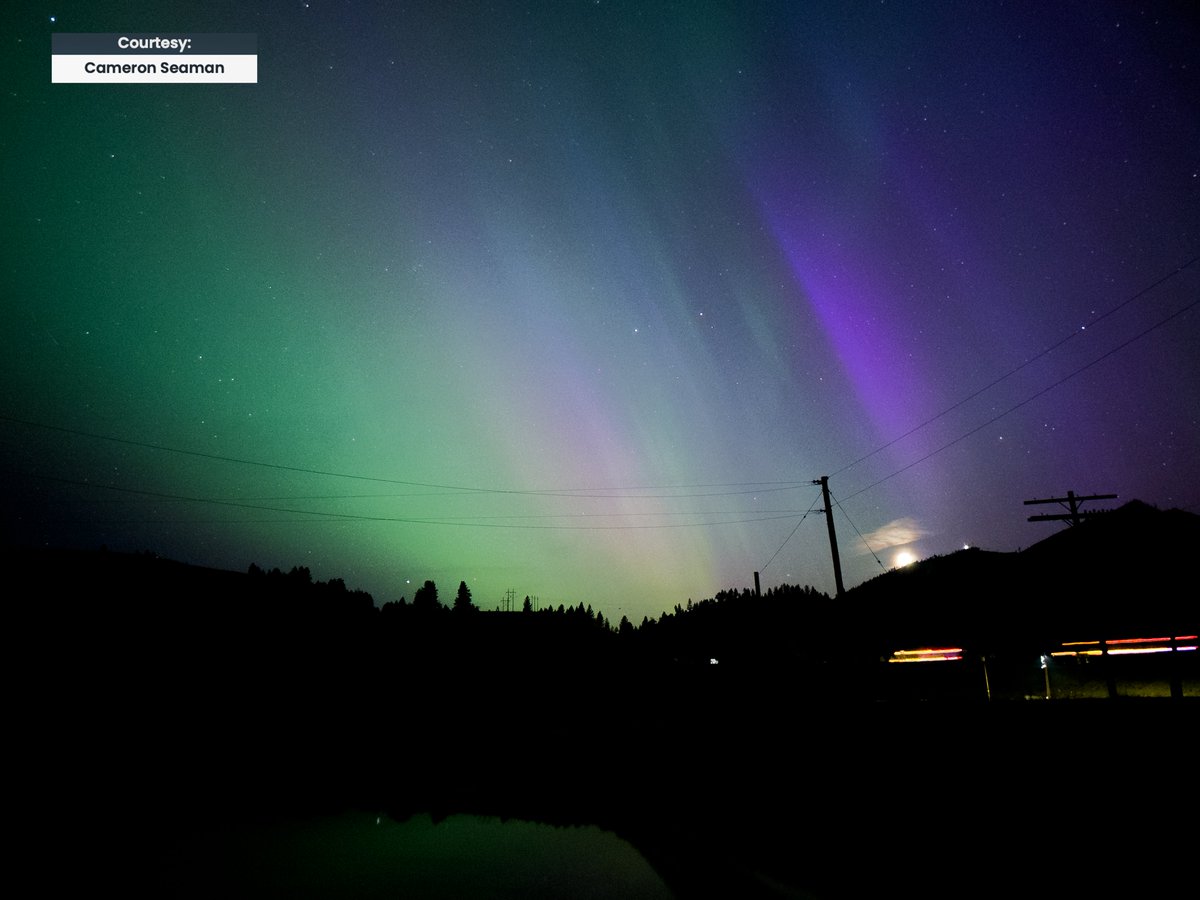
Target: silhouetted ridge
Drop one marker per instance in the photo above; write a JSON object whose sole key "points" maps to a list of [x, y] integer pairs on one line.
{"points": [[1123, 571]]}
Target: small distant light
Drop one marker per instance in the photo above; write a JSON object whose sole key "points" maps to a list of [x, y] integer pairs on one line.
{"points": [[712, 661], [1045, 661]]}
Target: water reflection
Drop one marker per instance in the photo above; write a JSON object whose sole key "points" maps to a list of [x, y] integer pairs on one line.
{"points": [[364, 856]]}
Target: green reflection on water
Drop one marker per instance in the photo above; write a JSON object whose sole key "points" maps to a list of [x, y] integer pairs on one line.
{"points": [[361, 855]]}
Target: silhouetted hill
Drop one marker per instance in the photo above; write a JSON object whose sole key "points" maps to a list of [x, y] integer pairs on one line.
{"points": [[1123, 571], [1127, 570]]}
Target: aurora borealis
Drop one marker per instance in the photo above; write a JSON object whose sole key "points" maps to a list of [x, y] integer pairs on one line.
{"points": [[578, 298]]}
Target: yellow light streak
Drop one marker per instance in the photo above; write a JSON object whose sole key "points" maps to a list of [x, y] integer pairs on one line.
{"points": [[926, 654]]}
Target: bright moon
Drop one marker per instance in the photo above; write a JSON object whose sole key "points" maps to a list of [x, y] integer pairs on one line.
{"points": [[903, 558]]}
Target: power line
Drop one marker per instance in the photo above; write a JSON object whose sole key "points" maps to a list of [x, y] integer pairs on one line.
{"points": [[763, 568], [1006, 412], [618, 493], [861, 536], [470, 522], [1026, 364], [1028, 399]]}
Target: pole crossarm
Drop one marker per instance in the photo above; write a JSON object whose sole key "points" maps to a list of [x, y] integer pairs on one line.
{"points": [[1071, 502]]}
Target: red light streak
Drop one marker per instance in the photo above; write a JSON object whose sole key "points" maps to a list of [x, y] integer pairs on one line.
{"points": [[1164, 646]]}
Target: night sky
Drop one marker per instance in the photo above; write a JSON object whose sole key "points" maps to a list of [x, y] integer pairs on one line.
{"points": [[577, 298]]}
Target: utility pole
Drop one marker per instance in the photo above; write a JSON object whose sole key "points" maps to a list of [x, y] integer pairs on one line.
{"points": [[1076, 515], [1073, 517], [833, 547]]}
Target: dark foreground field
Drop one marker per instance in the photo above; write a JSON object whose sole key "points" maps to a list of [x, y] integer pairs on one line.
{"points": [[152, 704], [727, 790]]}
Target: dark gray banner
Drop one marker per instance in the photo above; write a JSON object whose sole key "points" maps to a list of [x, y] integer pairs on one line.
{"points": [[158, 43]]}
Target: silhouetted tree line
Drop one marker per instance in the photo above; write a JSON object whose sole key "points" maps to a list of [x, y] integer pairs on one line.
{"points": [[311, 636], [305, 644]]}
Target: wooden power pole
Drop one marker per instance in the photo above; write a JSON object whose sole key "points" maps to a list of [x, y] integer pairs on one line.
{"points": [[833, 547]]}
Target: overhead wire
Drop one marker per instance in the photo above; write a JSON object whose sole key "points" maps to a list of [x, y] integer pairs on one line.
{"points": [[1024, 365], [1028, 400], [622, 493], [763, 567], [466, 521], [861, 536], [1142, 293]]}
